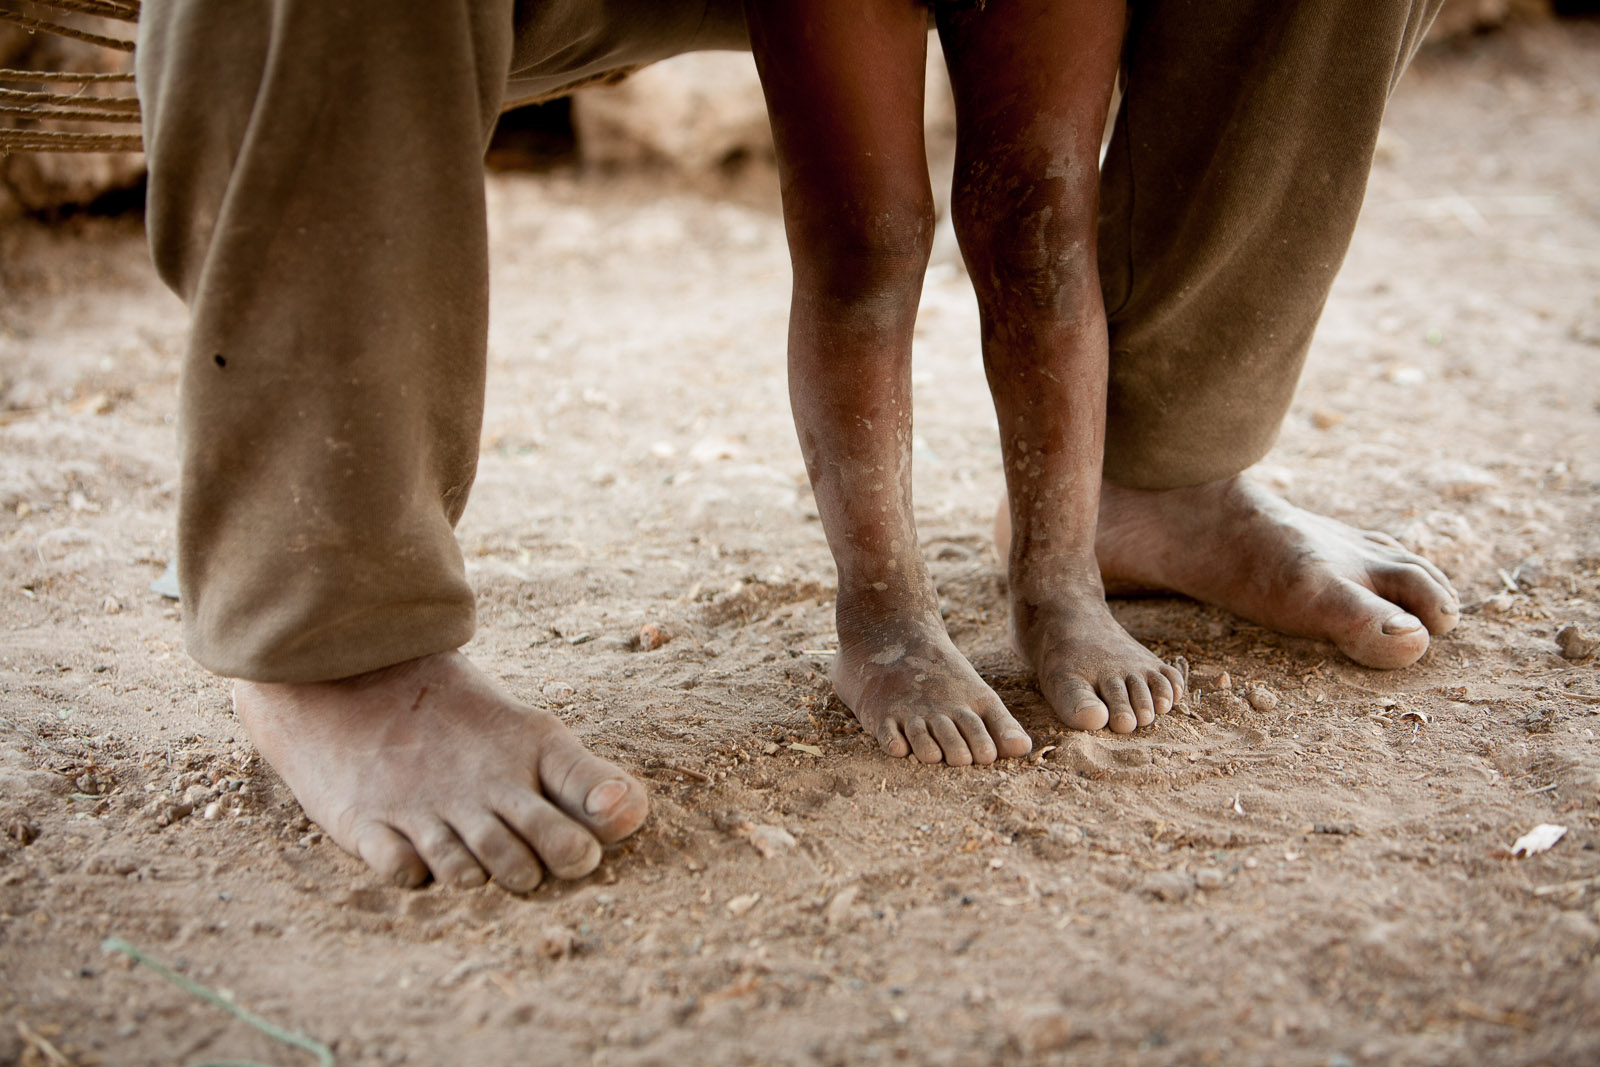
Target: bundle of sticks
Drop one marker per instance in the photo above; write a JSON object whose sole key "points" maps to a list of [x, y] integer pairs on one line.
{"points": [[69, 111]]}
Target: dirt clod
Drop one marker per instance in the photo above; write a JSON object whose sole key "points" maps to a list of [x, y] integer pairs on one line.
{"points": [[556, 942], [1575, 644]]}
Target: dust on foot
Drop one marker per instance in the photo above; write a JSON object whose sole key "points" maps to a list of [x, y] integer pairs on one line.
{"points": [[428, 767], [913, 691], [1233, 544], [1092, 672]]}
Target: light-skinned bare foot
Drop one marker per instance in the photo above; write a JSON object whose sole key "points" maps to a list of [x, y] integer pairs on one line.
{"points": [[912, 690], [1233, 544], [428, 767]]}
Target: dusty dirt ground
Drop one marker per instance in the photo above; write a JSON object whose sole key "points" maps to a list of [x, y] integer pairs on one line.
{"points": [[1321, 881]]}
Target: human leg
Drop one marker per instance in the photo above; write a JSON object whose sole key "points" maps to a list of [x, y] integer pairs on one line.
{"points": [[844, 88], [1032, 82], [316, 197], [1228, 199]]}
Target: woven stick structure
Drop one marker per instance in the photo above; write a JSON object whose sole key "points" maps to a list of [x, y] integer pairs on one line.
{"points": [[67, 101]]}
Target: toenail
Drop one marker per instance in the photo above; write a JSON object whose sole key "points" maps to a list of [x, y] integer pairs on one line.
{"points": [[1403, 623], [605, 796], [1450, 609]]}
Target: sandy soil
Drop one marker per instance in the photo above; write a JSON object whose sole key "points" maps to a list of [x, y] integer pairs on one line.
{"points": [[1316, 875]]}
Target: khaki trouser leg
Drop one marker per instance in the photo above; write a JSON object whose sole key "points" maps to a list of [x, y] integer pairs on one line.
{"points": [[316, 197], [1228, 199]]}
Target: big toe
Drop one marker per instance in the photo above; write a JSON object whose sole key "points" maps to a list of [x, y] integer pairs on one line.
{"points": [[389, 854], [601, 796], [1371, 630], [1078, 705]]}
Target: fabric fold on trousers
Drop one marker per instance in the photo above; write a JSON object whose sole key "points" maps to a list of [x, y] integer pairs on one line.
{"points": [[1229, 194], [316, 196]]}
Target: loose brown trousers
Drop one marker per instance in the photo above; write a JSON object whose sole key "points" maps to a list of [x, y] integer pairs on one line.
{"points": [[316, 197]]}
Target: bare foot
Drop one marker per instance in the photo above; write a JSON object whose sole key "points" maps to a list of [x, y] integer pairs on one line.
{"points": [[1089, 669], [1233, 544], [428, 767], [912, 690]]}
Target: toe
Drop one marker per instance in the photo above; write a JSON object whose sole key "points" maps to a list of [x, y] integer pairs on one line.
{"points": [[1414, 588], [1369, 629], [391, 855], [1162, 690], [1122, 719], [449, 860], [892, 740], [595, 793], [1077, 704], [566, 848], [1005, 736], [976, 734], [1404, 555], [502, 852], [954, 746], [923, 745], [1142, 700]]}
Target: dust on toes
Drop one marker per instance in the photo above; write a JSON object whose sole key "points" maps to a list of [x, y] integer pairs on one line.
{"points": [[429, 768]]}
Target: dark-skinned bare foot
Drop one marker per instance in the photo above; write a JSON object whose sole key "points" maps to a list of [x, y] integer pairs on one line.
{"points": [[1093, 673], [427, 767], [1233, 544], [911, 689]]}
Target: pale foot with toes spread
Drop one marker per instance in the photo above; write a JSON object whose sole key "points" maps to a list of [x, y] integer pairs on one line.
{"points": [[912, 690], [427, 767], [1233, 544], [1092, 672]]}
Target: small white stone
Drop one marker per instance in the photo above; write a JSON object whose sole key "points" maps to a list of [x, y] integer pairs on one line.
{"points": [[770, 841], [740, 905]]}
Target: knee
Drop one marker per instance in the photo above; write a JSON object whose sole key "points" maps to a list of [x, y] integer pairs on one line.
{"points": [[871, 257], [1031, 240]]}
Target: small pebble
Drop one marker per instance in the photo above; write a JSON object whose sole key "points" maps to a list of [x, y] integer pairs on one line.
{"points": [[1541, 720], [652, 637], [1575, 644], [169, 813], [1041, 1028], [1498, 604], [212, 810], [839, 911], [1209, 878], [556, 942], [1261, 698], [740, 905], [770, 841], [1171, 885], [560, 694]]}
